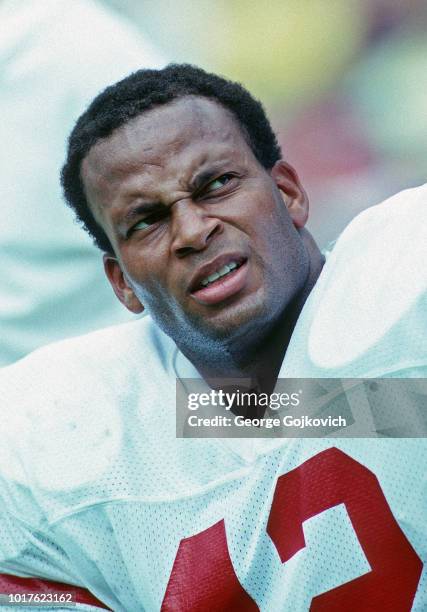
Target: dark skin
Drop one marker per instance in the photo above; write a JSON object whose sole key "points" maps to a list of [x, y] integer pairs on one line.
{"points": [[180, 195]]}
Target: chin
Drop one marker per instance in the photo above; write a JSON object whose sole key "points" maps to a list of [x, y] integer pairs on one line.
{"points": [[246, 320], [243, 318]]}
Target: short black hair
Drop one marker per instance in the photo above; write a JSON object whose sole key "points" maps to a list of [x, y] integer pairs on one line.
{"points": [[146, 89]]}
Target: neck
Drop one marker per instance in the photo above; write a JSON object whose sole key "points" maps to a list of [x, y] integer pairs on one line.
{"points": [[258, 358]]}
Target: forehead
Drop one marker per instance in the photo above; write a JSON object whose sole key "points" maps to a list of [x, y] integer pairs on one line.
{"points": [[189, 131]]}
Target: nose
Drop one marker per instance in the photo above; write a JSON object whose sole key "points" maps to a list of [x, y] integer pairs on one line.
{"points": [[192, 228]]}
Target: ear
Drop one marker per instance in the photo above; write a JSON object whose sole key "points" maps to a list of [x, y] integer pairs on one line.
{"points": [[292, 191], [120, 285]]}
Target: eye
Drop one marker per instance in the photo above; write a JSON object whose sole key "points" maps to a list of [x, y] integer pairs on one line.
{"points": [[218, 183], [148, 221]]}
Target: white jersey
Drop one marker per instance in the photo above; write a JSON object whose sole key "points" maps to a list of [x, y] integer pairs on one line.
{"points": [[96, 491], [367, 315]]}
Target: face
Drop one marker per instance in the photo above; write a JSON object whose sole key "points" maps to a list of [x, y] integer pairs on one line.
{"points": [[204, 237]]}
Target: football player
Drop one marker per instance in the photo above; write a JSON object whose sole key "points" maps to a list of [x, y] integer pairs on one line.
{"points": [[178, 177]]}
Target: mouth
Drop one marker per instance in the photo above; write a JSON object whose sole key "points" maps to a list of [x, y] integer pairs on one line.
{"points": [[221, 279]]}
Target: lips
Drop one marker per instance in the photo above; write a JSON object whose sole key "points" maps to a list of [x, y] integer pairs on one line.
{"points": [[227, 269], [213, 267], [219, 279]]}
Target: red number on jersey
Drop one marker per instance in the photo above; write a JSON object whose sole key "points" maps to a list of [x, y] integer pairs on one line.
{"points": [[203, 577], [324, 481]]}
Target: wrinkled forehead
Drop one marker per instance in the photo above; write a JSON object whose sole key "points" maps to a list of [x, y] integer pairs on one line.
{"points": [[159, 134]]}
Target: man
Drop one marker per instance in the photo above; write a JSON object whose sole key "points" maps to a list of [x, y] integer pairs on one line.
{"points": [[178, 177]]}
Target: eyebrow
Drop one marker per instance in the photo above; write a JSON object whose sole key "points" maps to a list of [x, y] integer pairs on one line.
{"points": [[204, 176], [140, 209], [197, 181]]}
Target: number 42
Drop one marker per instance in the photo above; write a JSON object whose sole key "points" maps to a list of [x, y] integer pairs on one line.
{"points": [[322, 482]]}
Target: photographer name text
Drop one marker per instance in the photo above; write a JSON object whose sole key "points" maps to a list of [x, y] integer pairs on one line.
{"points": [[300, 422]]}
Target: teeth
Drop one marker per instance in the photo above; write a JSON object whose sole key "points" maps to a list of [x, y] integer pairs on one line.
{"points": [[213, 277], [221, 272], [224, 270]]}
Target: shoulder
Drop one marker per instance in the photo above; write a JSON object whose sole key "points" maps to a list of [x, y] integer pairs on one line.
{"points": [[72, 405], [139, 343], [378, 249], [367, 312], [401, 216], [80, 376]]}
